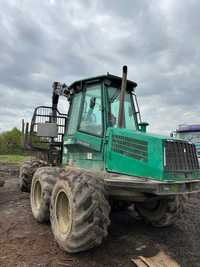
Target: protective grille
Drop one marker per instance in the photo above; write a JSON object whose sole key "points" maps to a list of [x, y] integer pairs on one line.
{"points": [[130, 147], [43, 114], [180, 156]]}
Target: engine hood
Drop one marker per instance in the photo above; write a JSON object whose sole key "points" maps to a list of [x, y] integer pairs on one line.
{"points": [[149, 155]]}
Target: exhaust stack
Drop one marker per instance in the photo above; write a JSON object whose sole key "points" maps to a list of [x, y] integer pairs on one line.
{"points": [[121, 116]]}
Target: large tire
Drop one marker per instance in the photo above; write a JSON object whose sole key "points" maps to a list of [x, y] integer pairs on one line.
{"points": [[1, 183], [161, 212], [26, 173], [79, 211], [42, 185]]}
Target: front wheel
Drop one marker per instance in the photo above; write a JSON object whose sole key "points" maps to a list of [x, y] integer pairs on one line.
{"points": [[79, 211], [161, 212]]}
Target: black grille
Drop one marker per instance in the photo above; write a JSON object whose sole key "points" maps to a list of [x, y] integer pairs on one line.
{"points": [[130, 147], [180, 156]]}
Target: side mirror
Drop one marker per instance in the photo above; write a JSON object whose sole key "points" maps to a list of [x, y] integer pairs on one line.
{"points": [[143, 126]]}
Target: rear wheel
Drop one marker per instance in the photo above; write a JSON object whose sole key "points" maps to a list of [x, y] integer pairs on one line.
{"points": [[43, 182], [79, 211], [27, 170], [161, 212]]}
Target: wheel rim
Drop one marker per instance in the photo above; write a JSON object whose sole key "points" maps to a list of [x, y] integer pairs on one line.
{"points": [[62, 210], [37, 194]]}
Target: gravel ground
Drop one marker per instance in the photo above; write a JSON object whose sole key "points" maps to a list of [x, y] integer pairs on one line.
{"points": [[24, 242]]}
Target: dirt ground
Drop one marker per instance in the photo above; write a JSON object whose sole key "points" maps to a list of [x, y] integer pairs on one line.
{"points": [[24, 242]]}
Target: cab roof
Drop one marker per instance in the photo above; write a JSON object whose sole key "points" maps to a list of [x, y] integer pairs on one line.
{"points": [[109, 79]]}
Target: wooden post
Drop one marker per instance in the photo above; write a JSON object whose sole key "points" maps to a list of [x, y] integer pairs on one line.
{"points": [[22, 134], [26, 135]]}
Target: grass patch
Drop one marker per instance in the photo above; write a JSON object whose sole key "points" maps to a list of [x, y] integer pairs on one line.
{"points": [[14, 158]]}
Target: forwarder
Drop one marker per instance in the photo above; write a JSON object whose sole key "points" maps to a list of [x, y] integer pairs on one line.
{"points": [[99, 157]]}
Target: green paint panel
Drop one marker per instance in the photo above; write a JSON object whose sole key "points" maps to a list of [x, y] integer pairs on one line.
{"points": [[84, 151], [85, 140], [93, 142], [136, 153]]}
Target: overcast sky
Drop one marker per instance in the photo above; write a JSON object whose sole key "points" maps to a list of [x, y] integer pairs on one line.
{"points": [[43, 41]]}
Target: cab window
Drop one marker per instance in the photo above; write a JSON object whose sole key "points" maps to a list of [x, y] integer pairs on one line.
{"points": [[114, 99], [74, 113], [91, 118]]}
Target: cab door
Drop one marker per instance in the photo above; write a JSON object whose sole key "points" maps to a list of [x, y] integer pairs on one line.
{"points": [[84, 138]]}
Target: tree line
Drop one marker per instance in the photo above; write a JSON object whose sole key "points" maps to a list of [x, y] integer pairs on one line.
{"points": [[10, 142]]}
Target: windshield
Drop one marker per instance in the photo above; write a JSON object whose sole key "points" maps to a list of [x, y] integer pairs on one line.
{"points": [[129, 112]]}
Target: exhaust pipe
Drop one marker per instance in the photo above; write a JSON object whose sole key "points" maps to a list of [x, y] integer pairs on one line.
{"points": [[121, 116]]}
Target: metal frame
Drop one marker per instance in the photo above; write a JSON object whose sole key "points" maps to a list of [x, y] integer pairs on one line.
{"points": [[50, 147], [137, 109]]}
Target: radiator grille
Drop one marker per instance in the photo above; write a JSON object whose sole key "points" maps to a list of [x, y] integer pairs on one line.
{"points": [[180, 156], [130, 147]]}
